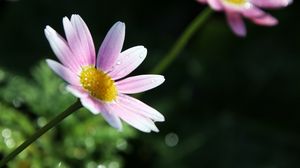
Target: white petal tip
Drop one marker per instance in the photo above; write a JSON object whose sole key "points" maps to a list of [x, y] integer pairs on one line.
{"points": [[49, 61], [76, 16], [160, 79], [46, 30], [288, 2], [119, 25], [65, 19], [160, 119], [50, 29], [155, 130], [119, 22]]}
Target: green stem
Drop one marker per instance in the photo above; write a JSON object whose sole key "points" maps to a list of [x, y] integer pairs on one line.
{"points": [[182, 40], [77, 105]]}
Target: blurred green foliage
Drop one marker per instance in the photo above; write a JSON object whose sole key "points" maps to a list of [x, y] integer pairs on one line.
{"points": [[82, 139]]}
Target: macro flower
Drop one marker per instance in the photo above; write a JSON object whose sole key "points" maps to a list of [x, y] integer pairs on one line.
{"points": [[235, 10], [100, 82]]}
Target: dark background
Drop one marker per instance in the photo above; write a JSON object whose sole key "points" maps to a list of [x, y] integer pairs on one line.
{"points": [[230, 102]]}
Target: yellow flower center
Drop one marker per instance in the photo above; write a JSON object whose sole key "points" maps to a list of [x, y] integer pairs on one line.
{"points": [[236, 2], [98, 84]]}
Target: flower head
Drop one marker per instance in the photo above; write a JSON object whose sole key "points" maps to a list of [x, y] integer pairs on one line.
{"points": [[235, 10], [100, 83]]}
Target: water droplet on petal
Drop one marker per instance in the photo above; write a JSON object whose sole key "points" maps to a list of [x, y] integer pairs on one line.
{"points": [[118, 62]]}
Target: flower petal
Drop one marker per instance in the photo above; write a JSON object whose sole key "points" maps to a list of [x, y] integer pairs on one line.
{"points": [[265, 20], [141, 83], [75, 43], [62, 50], [236, 23], [253, 11], [137, 121], [63, 72], [91, 104], [215, 4], [85, 39], [105, 110], [76, 91], [140, 107], [128, 61], [111, 47], [271, 3], [109, 114]]}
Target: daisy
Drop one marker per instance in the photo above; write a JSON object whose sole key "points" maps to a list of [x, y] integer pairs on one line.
{"points": [[100, 83], [235, 10]]}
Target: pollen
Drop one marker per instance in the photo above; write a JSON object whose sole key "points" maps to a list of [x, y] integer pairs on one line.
{"points": [[98, 84], [237, 2]]}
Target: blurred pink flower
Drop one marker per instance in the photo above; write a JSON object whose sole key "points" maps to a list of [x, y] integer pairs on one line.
{"points": [[100, 83], [236, 9]]}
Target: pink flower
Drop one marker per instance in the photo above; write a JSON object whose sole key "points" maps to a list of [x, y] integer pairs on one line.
{"points": [[236, 9], [100, 83]]}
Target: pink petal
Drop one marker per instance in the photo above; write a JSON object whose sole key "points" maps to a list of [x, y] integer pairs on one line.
{"points": [[111, 47], [236, 23], [252, 11], [271, 3], [75, 43], [91, 104], [76, 91], [259, 17], [109, 114], [86, 40], [140, 107], [137, 121], [128, 61], [137, 84], [105, 110], [62, 50], [63, 72], [265, 20], [215, 4]]}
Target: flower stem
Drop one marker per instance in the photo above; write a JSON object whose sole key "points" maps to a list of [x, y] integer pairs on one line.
{"points": [[182, 40], [77, 105]]}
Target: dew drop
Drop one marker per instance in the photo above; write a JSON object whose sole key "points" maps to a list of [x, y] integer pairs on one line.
{"points": [[118, 62]]}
